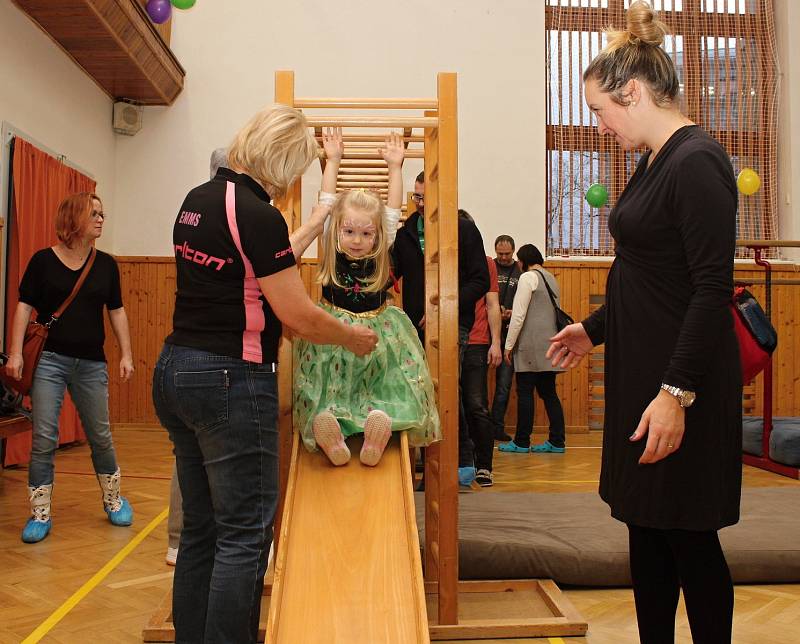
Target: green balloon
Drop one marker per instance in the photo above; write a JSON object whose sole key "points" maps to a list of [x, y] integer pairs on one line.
{"points": [[183, 4], [597, 195]]}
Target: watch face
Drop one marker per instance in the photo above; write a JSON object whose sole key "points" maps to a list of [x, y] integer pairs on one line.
{"points": [[687, 398]]}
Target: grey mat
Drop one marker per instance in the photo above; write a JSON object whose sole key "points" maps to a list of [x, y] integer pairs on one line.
{"points": [[784, 439], [572, 539]]}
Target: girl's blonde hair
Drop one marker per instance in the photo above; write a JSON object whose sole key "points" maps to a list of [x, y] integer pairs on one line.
{"points": [[636, 52], [371, 204], [275, 147]]}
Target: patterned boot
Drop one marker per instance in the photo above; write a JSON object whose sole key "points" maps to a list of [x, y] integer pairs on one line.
{"points": [[117, 508], [38, 526]]}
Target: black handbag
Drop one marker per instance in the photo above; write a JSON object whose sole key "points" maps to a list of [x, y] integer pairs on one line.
{"points": [[562, 317]]}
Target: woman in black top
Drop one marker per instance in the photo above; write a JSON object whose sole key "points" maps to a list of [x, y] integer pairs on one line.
{"points": [[73, 355], [215, 384], [671, 465]]}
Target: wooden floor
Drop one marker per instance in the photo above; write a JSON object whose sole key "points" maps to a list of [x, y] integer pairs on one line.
{"points": [[56, 591]]}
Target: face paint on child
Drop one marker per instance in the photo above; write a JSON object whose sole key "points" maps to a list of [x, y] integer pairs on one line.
{"points": [[357, 234]]}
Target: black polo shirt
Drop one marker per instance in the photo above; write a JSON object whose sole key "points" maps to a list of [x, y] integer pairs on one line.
{"points": [[226, 236]]}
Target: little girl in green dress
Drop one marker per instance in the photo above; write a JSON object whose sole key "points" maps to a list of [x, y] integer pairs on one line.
{"points": [[337, 394]]}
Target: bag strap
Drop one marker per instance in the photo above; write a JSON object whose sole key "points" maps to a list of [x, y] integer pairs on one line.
{"points": [[60, 311], [549, 290]]}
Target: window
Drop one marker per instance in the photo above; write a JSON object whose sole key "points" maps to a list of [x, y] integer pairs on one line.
{"points": [[726, 58]]}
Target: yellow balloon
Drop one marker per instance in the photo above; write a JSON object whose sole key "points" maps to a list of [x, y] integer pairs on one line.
{"points": [[748, 181]]}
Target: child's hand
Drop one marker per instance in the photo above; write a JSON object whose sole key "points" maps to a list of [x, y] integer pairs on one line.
{"points": [[393, 151], [333, 143]]}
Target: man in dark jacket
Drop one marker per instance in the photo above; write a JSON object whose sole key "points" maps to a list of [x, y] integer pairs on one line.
{"points": [[408, 260], [508, 274], [409, 263]]}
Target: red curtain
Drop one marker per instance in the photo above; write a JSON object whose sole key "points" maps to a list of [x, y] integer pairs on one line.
{"points": [[40, 183]]}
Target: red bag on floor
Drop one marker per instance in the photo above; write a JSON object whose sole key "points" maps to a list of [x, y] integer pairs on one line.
{"points": [[757, 337]]}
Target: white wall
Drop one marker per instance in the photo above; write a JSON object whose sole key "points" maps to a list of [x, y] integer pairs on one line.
{"points": [[47, 96], [787, 23], [231, 50]]}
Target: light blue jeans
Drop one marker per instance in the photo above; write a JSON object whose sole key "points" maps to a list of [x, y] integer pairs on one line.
{"points": [[87, 381]]}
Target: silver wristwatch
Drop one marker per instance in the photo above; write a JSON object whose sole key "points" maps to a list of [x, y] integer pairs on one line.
{"points": [[685, 398]]}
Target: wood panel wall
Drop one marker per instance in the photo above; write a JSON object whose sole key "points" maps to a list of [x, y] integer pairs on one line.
{"points": [[148, 288]]}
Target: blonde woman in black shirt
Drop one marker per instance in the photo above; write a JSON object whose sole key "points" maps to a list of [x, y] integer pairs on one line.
{"points": [[215, 383]]}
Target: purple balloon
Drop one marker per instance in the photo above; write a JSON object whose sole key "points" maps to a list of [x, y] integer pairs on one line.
{"points": [[159, 10]]}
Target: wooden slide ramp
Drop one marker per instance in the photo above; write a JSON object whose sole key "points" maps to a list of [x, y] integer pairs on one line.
{"points": [[348, 566]]}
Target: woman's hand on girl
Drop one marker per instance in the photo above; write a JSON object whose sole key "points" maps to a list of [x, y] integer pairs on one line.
{"points": [[362, 340], [333, 143], [393, 151], [663, 421], [568, 346]]}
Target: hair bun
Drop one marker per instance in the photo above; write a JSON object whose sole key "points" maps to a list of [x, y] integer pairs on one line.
{"points": [[644, 27]]}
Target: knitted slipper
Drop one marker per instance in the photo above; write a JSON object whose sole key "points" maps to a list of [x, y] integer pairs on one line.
{"points": [[377, 431], [329, 438]]}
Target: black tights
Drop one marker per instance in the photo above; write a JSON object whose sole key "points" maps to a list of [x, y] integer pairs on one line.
{"points": [[665, 561]]}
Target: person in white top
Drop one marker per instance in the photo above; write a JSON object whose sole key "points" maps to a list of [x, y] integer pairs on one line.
{"points": [[529, 332]]}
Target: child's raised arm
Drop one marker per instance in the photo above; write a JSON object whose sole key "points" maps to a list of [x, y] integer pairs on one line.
{"points": [[333, 145], [393, 153]]}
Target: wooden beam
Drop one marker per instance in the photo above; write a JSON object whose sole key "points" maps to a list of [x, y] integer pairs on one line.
{"points": [[369, 103], [373, 121]]}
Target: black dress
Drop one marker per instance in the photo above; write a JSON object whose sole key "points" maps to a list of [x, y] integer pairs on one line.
{"points": [[666, 320]]}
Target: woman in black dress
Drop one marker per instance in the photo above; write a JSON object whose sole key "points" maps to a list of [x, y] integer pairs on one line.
{"points": [[671, 467]]}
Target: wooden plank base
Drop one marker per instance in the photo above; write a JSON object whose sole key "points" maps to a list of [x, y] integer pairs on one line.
{"points": [[508, 609], [487, 610]]}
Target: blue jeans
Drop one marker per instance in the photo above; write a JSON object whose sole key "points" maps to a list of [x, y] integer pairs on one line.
{"points": [[503, 376], [221, 414], [87, 381]]}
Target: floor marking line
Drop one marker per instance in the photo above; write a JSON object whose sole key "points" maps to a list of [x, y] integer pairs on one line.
{"points": [[101, 574]]}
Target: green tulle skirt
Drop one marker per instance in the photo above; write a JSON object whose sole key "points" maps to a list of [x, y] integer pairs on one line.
{"points": [[393, 378]]}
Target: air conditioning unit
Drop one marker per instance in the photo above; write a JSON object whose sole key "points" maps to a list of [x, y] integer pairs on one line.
{"points": [[127, 117]]}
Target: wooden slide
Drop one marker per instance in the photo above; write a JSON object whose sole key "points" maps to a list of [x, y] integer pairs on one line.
{"points": [[348, 565]]}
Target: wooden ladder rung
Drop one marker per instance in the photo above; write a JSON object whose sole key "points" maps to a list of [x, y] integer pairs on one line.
{"points": [[374, 121], [360, 138], [369, 103]]}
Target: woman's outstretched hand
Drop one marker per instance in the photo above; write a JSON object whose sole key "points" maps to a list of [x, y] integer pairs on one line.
{"points": [[568, 346]]}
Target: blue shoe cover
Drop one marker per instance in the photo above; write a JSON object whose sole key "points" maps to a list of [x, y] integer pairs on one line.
{"points": [[34, 531], [123, 516], [547, 446], [466, 475], [512, 447]]}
